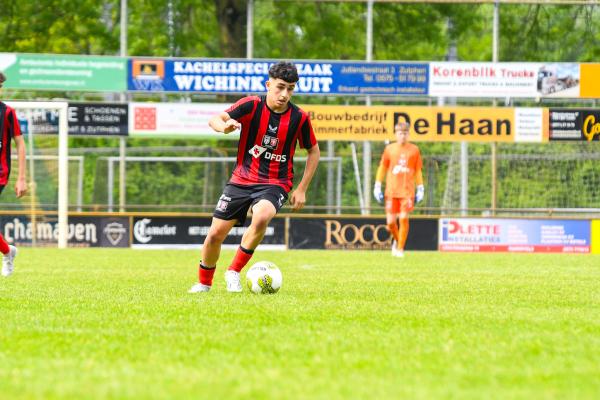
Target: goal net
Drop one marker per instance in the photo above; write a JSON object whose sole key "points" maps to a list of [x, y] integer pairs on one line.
{"points": [[47, 175]]}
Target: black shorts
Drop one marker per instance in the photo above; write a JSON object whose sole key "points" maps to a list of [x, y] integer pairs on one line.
{"points": [[236, 200], [1, 188]]}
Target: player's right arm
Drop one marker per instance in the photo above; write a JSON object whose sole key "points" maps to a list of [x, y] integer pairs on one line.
{"points": [[222, 122], [380, 177], [236, 115], [15, 133]]}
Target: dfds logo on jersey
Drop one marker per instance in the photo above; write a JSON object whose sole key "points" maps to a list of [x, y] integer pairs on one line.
{"points": [[257, 151]]}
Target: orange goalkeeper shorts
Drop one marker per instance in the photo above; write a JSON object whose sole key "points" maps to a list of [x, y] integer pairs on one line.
{"points": [[397, 205]]}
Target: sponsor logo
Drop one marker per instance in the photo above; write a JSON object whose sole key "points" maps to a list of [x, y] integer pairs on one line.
{"points": [[270, 142], [465, 232], [591, 127], [273, 129], [257, 151], [144, 233], [148, 69], [16, 231], [223, 203], [276, 157], [114, 232], [401, 166], [351, 236]]}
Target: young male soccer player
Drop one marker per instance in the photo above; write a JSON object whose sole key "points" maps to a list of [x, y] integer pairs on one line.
{"points": [[10, 129], [271, 127], [400, 167]]}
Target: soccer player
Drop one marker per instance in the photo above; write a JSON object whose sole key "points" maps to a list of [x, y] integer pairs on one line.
{"points": [[10, 129], [400, 167], [270, 127]]}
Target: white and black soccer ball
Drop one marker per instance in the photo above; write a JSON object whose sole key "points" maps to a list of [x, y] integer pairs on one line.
{"points": [[264, 277]]}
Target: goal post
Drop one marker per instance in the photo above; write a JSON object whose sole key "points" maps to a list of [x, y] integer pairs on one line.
{"points": [[63, 159]]}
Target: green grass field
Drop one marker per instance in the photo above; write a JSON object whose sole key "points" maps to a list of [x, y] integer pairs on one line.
{"points": [[91, 323]]}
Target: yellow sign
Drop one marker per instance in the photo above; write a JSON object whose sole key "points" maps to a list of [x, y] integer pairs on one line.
{"points": [[590, 84], [432, 124], [595, 239], [351, 122], [458, 124]]}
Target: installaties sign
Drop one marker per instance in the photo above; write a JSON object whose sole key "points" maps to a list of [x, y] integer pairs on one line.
{"points": [[243, 76], [514, 235], [64, 72], [441, 124]]}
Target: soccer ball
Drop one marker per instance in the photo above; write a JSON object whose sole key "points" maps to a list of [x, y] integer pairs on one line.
{"points": [[264, 277]]}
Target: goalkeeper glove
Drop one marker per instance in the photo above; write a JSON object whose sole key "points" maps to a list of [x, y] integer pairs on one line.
{"points": [[420, 193], [377, 192]]}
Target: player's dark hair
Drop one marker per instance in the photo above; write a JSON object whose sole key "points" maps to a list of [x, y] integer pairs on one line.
{"points": [[284, 70], [2, 79]]}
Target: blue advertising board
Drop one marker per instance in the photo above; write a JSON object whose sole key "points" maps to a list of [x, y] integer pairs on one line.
{"points": [[514, 235], [240, 76]]}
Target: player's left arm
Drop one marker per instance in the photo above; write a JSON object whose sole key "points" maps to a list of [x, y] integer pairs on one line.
{"points": [[21, 184], [420, 193], [298, 197]]}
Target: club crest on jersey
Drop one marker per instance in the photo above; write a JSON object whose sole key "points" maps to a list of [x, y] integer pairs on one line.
{"points": [[256, 151], [223, 203], [270, 142]]}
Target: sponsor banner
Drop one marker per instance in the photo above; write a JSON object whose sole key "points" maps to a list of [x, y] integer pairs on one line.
{"points": [[514, 235], [595, 236], [98, 119], [357, 234], [574, 124], [175, 119], [242, 76], [64, 72], [432, 124], [531, 125], [590, 84], [483, 79], [83, 231], [84, 119], [161, 232], [38, 121]]}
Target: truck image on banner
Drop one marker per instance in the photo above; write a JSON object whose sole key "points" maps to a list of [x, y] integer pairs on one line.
{"points": [[514, 235]]}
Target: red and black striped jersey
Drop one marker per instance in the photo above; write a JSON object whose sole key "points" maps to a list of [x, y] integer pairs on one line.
{"points": [[268, 142], [10, 128]]}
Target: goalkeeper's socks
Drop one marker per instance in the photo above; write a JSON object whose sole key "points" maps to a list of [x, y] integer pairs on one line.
{"points": [[393, 228], [4, 249], [205, 274], [242, 256], [403, 232]]}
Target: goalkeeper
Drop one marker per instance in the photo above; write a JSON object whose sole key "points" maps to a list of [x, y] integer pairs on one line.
{"points": [[400, 167]]}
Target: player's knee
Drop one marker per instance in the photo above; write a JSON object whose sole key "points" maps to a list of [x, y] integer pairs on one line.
{"points": [[260, 222], [215, 237]]}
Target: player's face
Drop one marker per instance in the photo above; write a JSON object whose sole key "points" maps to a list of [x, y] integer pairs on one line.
{"points": [[279, 93], [401, 132]]}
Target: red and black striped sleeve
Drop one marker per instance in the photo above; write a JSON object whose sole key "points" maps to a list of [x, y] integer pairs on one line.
{"points": [[307, 135], [243, 107]]}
